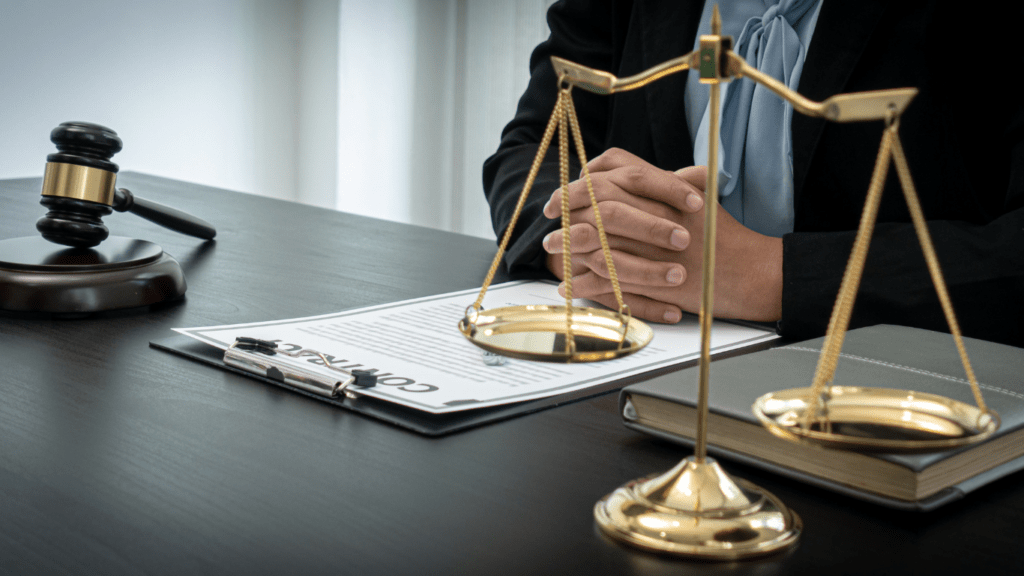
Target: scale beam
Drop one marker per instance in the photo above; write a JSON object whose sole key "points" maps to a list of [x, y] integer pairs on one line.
{"points": [[853, 107]]}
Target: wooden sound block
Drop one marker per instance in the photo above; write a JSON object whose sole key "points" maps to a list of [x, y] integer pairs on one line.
{"points": [[39, 276]]}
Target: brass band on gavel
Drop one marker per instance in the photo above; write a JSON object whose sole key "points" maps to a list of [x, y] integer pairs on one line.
{"points": [[79, 182]]}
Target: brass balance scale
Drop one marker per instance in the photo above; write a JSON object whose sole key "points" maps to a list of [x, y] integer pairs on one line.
{"points": [[695, 509]]}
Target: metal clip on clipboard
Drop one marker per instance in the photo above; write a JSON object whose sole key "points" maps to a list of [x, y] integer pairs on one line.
{"points": [[261, 357]]}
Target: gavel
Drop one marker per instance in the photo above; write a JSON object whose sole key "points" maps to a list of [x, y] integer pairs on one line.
{"points": [[78, 190]]}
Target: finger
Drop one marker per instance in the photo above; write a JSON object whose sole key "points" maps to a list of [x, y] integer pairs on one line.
{"points": [[557, 266], [645, 187], [640, 306], [585, 240], [630, 269], [590, 285], [604, 190], [613, 158], [629, 222], [695, 175], [659, 185], [644, 308], [634, 175], [642, 178], [642, 249]]}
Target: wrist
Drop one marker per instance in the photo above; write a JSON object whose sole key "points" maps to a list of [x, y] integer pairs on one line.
{"points": [[767, 300], [754, 287]]}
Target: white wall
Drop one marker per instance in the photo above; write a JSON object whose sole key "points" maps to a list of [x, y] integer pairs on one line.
{"points": [[201, 90], [426, 88], [500, 36], [381, 107], [377, 53], [317, 146]]}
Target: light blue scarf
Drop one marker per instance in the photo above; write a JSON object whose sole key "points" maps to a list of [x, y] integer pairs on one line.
{"points": [[756, 149]]}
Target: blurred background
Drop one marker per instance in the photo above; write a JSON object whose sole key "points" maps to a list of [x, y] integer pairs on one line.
{"points": [[385, 108]]}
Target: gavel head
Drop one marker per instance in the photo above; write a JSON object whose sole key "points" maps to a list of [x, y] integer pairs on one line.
{"points": [[78, 185]]}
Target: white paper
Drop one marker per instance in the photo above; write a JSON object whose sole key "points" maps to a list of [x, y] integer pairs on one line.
{"points": [[422, 360]]}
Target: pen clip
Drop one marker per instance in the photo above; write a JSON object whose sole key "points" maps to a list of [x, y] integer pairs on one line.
{"points": [[262, 357]]}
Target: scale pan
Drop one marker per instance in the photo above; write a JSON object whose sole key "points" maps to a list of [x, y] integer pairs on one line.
{"points": [[538, 333], [876, 420]]}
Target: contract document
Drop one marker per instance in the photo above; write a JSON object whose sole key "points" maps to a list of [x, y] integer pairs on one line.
{"points": [[422, 361]]}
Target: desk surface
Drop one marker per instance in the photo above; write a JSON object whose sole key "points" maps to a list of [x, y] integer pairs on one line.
{"points": [[119, 459]]}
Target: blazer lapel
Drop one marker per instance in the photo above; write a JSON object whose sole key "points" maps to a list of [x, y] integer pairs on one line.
{"points": [[669, 29], [840, 36]]}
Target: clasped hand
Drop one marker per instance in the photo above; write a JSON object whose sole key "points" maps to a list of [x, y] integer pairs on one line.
{"points": [[654, 221]]}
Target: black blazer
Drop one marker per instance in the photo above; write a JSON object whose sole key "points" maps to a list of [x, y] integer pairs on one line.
{"points": [[962, 136]]}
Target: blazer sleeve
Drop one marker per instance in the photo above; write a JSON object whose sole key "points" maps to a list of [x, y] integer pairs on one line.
{"points": [[983, 266], [582, 32]]}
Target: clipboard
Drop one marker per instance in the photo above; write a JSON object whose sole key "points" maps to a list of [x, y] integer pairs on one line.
{"points": [[417, 421]]}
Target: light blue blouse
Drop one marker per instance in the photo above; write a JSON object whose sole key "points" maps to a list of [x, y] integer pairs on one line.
{"points": [[756, 148]]}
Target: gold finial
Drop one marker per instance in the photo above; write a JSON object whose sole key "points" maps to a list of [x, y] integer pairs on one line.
{"points": [[716, 21]]}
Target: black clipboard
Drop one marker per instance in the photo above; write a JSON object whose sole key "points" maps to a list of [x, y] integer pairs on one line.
{"points": [[417, 421]]}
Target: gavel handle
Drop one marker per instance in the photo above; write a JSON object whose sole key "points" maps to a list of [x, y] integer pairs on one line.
{"points": [[125, 201]]}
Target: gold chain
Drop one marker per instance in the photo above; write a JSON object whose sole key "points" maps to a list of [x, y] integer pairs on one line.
{"points": [[605, 249], [541, 151], [562, 118], [563, 175], [917, 215], [851, 278], [840, 320]]}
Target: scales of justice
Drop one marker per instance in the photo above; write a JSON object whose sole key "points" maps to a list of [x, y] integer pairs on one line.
{"points": [[696, 509]]}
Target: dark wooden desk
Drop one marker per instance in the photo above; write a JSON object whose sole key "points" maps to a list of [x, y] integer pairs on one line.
{"points": [[119, 459]]}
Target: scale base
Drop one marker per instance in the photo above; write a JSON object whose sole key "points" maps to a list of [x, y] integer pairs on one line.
{"points": [[697, 510], [37, 276]]}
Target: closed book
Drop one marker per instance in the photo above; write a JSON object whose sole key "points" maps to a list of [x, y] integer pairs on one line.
{"points": [[878, 356]]}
